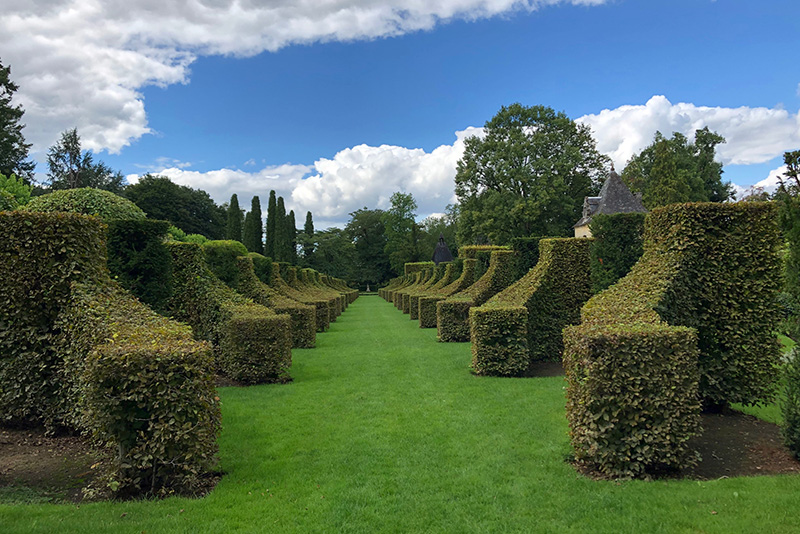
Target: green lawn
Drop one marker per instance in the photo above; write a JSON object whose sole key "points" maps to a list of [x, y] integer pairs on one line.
{"points": [[385, 430]]}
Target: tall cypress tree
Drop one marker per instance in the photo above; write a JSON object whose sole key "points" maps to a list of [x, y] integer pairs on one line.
{"points": [[13, 148], [253, 234], [272, 211], [291, 236], [233, 230], [281, 243], [308, 244]]}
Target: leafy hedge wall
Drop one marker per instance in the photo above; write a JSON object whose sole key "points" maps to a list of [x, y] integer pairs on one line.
{"points": [[88, 201], [139, 260], [791, 405], [439, 273], [413, 267], [616, 248], [452, 314], [428, 303], [41, 254], [322, 310], [252, 343], [527, 251], [702, 294], [523, 323], [146, 392]]}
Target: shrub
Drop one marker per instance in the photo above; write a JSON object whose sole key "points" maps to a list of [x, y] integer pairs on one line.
{"points": [[139, 260], [616, 248], [253, 344], [14, 188], [88, 201], [147, 392], [452, 314], [221, 257], [523, 323], [262, 267], [791, 405], [41, 254], [7, 201]]}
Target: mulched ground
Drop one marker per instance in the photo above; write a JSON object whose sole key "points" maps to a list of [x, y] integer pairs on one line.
{"points": [[37, 468]]}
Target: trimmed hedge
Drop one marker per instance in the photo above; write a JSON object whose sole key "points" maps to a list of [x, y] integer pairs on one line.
{"points": [[632, 401], [322, 312], [220, 256], [452, 314], [428, 303], [41, 254], [616, 248], [702, 294], [790, 408], [527, 249], [147, 393], [523, 323], [139, 260], [88, 201], [439, 273], [262, 267], [252, 343], [413, 267]]}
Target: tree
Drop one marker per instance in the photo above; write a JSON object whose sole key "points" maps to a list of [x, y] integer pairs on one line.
{"points": [[191, 210], [335, 254], [676, 170], [788, 198], [291, 238], [432, 227], [69, 167], [281, 244], [13, 148], [527, 176], [253, 237], [272, 211], [15, 188], [367, 233], [233, 230], [308, 239], [402, 232]]}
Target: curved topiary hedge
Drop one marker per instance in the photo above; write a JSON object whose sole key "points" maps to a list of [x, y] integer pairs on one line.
{"points": [[428, 303], [695, 316], [452, 314], [523, 323], [527, 249], [88, 201], [321, 307], [253, 344], [413, 296], [616, 248]]}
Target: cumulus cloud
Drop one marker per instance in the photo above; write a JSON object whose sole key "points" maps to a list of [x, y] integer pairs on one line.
{"points": [[83, 62], [753, 135]]}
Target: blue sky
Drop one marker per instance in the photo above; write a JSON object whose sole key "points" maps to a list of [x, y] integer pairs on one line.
{"points": [[335, 104]]}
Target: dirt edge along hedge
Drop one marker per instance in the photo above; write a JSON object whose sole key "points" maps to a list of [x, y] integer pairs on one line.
{"points": [[523, 323], [692, 322], [252, 343], [452, 314]]}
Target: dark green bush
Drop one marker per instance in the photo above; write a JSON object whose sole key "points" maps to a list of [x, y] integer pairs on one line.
{"points": [[147, 393], [41, 254], [616, 248], [527, 251], [632, 401], [139, 260], [262, 267], [452, 314], [523, 323], [88, 201], [261, 352], [791, 405]]}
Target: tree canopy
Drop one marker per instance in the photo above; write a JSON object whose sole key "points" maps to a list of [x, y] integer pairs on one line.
{"points": [[368, 235], [13, 148], [402, 231], [233, 229], [70, 167], [528, 175], [672, 170]]}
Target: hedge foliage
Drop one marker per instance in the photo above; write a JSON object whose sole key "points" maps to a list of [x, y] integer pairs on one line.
{"points": [[702, 294], [413, 297], [527, 251], [88, 201], [452, 314], [616, 248], [252, 343], [78, 352], [428, 303], [523, 323], [146, 392], [220, 255], [41, 254], [791, 405], [413, 267], [139, 260], [632, 400], [321, 305]]}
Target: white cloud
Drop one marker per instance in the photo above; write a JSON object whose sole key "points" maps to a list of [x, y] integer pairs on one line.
{"points": [[753, 135], [82, 63]]}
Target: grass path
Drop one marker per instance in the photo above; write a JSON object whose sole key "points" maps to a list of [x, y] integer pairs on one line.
{"points": [[385, 430]]}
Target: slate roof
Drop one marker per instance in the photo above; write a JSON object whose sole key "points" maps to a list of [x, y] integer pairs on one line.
{"points": [[441, 252], [615, 197]]}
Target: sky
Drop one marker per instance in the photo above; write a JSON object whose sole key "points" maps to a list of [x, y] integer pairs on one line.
{"points": [[336, 104]]}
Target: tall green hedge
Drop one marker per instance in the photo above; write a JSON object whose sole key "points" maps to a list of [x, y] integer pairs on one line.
{"points": [[439, 273], [527, 251], [41, 254], [790, 408], [523, 323], [88, 201], [413, 267], [252, 343], [139, 260], [694, 320], [428, 303], [321, 306], [452, 314], [616, 248]]}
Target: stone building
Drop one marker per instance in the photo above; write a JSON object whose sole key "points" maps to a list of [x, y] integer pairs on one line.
{"points": [[615, 197]]}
